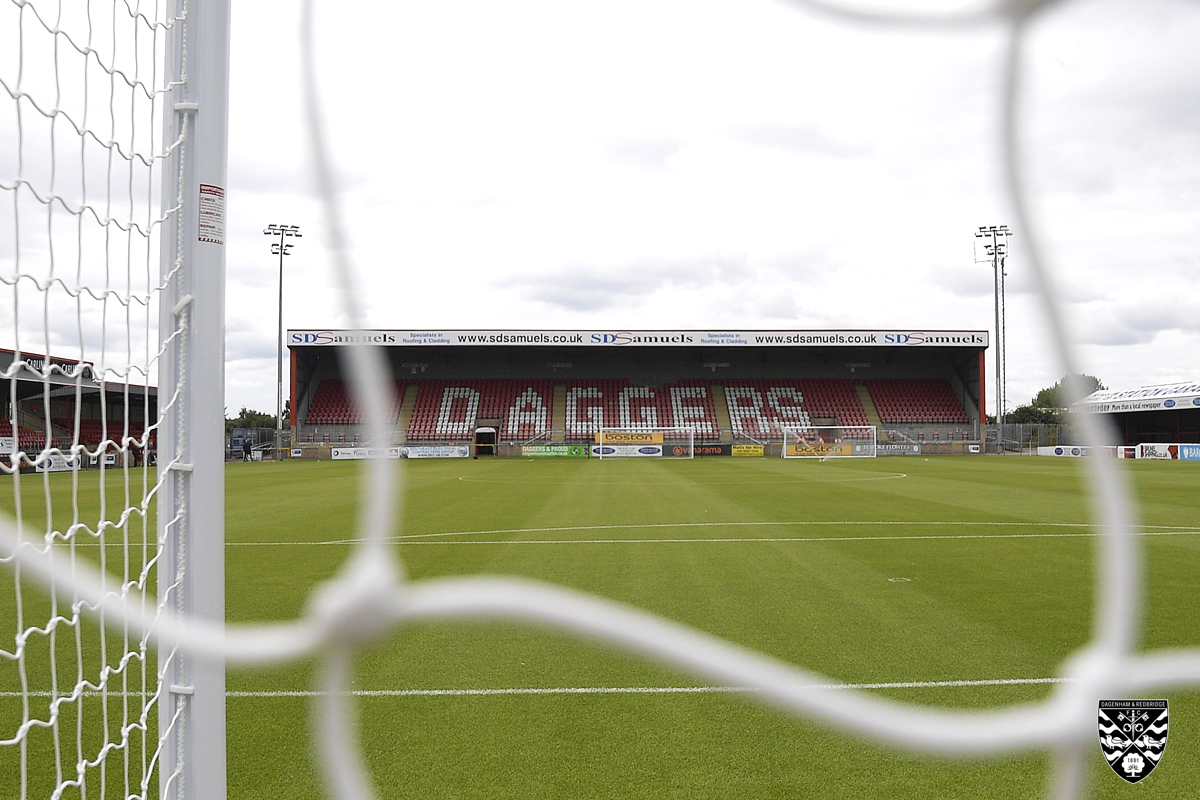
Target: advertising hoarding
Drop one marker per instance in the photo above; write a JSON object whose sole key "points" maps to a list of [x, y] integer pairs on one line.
{"points": [[442, 451], [554, 451], [355, 453], [627, 450], [1078, 451], [903, 449]]}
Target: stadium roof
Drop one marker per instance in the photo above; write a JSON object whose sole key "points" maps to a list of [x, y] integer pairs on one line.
{"points": [[1165, 397], [618, 338]]}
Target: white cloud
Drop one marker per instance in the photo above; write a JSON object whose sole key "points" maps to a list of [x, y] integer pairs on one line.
{"points": [[716, 163]]}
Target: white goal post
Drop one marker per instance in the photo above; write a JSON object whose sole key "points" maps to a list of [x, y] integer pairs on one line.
{"points": [[113, 133], [645, 442], [829, 441]]}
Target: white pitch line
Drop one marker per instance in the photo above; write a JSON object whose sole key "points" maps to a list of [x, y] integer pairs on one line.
{"points": [[415, 538], [858, 478], [647, 689], [599, 689], [744, 539]]}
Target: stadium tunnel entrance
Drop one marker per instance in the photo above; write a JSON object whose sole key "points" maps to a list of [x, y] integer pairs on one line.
{"points": [[485, 442]]}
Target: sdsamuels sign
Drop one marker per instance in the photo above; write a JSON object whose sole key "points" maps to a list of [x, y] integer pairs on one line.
{"points": [[626, 338]]}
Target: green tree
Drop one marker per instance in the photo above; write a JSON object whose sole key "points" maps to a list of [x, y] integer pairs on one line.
{"points": [[249, 418], [1049, 406]]}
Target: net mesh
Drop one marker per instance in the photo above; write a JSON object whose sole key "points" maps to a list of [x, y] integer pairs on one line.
{"points": [[81, 163], [370, 596], [825, 441]]}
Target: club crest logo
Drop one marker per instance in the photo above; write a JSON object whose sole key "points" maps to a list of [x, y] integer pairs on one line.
{"points": [[1133, 735]]}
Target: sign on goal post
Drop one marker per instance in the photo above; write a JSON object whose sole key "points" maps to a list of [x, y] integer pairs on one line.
{"points": [[829, 441], [645, 443]]}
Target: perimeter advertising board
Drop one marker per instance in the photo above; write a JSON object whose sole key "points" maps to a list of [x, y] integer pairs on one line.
{"points": [[56, 463], [1078, 451], [627, 450], [1189, 452], [623, 338], [747, 450], [355, 453], [901, 449], [819, 449], [443, 451], [554, 451], [1159, 451]]}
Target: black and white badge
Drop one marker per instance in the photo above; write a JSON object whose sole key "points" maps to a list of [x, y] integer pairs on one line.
{"points": [[1133, 735]]}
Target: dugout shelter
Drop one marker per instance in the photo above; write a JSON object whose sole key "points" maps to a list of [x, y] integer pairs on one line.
{"points": [[524, 387]]}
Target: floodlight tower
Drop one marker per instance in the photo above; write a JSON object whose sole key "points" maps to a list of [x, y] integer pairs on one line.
{"points": [[281, 249], [993, 240]]}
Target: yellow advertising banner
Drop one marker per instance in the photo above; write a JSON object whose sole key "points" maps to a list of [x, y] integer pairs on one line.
{"points": [[820, 450], [629, 437], [748, 450]]}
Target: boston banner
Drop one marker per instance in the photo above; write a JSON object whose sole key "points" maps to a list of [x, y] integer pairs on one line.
{"points": [[629, 437]]}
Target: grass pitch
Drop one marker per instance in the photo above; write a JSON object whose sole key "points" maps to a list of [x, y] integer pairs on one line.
{"points": [[882, 571]]}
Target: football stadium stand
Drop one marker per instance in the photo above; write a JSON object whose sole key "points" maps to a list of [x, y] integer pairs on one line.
{"points": [[450, 409], [761, 408], [332, 404], [902, 401], [31, 441], [521, 410], [518, 388], [91, 431], [592, 405]]}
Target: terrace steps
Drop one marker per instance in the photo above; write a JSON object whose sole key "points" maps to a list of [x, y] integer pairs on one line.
{"points": [[406, 410], [864, 396], [558, 413], [717, 392]]}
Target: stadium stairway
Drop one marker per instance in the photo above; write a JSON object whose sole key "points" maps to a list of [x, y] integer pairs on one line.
{"points": [[717, 392], [406, 411], [864, 396], [558, 413]]}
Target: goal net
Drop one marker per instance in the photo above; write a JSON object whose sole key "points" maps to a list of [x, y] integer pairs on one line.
{"points": [[114, 651], [828, 441], [645, 442], [112, 149]]}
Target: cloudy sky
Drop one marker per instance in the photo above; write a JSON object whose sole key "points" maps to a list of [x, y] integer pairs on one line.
{"points": [[719, 165]]}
